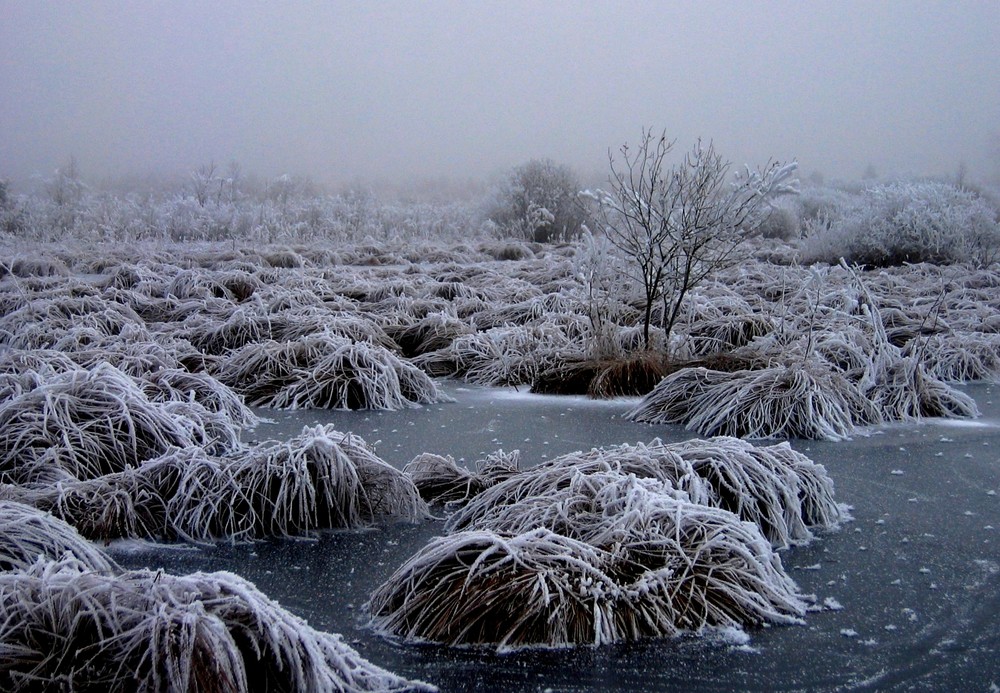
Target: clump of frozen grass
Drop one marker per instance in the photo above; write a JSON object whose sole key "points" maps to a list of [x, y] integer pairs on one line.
{"points": [[218, 334], [149, 630], [44, 320], [430, 333], [781, 491], [321, 479], [440, 480], [960, 357], [507, 356], [609, 558], [793, 401], [653, 461], [326, 371], [91, 423], [634, 375], [903, 390], [326, 478], [179, 385], [28, 534], [727, 332], [480, 588], [607, 546], [296, 324], [113, 506], [34, 266]]}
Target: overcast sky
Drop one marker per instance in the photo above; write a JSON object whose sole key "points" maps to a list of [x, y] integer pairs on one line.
{"points": [[412, 90]]}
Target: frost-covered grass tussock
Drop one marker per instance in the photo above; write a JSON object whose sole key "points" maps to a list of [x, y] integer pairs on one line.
{"points": [[778, 402], [441, 480], [847, 350], [84, 424], [781, 491], [320, 479], [62, 623], [609, 558], [612, 545], [326, 372], [28, 535]]}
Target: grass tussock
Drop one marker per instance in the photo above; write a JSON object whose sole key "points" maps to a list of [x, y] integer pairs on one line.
{"points": [[320, 479], [779, 402], [89, 423], [782, 492], [441, 481], [28, 535], [611, 558], [326, 372], [612, 545], [151, 631]]}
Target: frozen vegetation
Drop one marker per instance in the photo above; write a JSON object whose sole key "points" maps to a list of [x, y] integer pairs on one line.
{"points": [[136, 331], [611, 545]]}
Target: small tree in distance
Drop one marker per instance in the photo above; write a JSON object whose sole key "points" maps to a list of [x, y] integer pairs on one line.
{"points": [[676, 226]]}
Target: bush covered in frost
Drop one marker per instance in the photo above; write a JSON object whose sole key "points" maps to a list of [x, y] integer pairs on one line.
{"points": [[908, 222], [537, 201]]}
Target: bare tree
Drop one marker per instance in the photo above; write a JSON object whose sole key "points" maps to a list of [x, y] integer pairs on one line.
{"points": [[676, 226], [203, 179]]}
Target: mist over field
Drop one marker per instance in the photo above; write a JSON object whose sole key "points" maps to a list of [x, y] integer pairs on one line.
{"points": [[405, 92]]}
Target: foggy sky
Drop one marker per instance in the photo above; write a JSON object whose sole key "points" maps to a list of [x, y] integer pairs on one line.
{"points": [[403, 90]]}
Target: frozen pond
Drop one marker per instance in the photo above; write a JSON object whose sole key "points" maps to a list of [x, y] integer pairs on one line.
{"points": [[913, 581]]}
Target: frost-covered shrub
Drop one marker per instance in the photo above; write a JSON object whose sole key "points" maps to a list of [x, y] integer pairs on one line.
{"points": [[908, 222], [780, 222], [538, 202], [147, 630]]}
